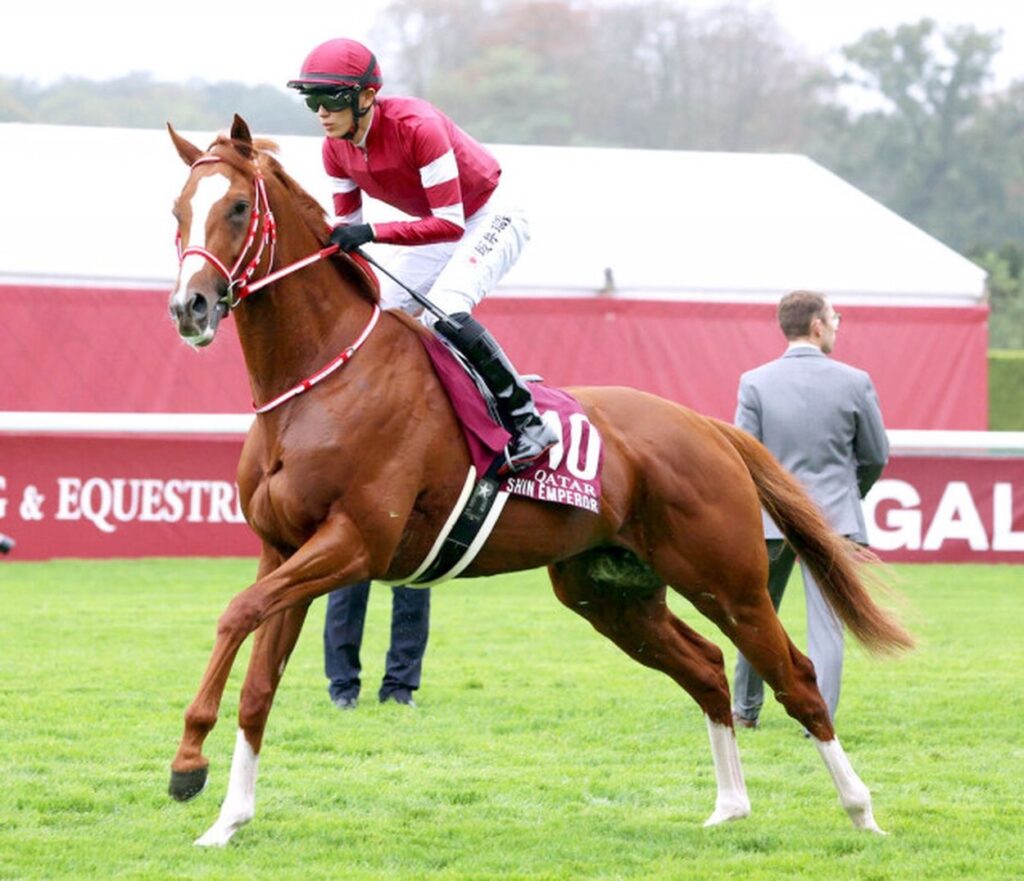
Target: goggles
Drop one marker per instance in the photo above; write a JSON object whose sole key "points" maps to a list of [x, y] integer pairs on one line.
{"points": [[331, 101]]}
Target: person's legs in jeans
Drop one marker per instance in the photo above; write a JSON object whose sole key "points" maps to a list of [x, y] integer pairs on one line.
{"points": [[343, 635], [410, 627], [748, 686]]}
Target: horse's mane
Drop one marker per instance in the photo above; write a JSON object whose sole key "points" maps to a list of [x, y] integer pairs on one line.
{"points": [[310, 210]]}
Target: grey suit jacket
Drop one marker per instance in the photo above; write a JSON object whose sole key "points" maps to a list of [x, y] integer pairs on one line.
{"points": [[821, 420]]}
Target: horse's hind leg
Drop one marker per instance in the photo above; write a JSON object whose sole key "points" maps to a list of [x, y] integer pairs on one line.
{"points": [[640, 623], [272, 645], [739, 604]]}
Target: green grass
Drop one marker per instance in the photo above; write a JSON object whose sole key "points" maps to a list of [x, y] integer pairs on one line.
{"points": [[538, 750]]}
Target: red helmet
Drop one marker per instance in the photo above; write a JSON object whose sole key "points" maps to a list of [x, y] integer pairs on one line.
{"points": [[339, 63]]}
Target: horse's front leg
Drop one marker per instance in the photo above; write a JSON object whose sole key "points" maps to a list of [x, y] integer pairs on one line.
{"points": [[189, 768], [273, 645], [335, 554]]}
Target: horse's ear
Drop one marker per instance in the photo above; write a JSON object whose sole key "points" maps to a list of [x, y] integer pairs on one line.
{"points": [[242, 137], [189, 152]]}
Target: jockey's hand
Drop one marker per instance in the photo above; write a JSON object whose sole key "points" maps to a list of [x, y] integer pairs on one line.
{"points": [[349, 237]]}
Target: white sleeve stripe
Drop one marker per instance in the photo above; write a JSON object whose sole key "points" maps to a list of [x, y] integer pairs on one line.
{"points": [[441, 170], [343, 185], [349, 219], [451, 213]]}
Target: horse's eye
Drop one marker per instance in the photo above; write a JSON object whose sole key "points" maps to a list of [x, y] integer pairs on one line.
{"points": [[240, 209]]}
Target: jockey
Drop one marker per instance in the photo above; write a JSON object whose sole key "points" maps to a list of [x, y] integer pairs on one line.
{"points": [[405, 152]]}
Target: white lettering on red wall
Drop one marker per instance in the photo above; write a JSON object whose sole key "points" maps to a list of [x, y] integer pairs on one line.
{"points": [[122, 496], [107, 503], [129, 496], [948, 509], [956, 518]]}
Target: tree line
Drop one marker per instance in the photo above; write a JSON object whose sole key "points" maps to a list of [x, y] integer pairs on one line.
{"points": [[908, 114]]}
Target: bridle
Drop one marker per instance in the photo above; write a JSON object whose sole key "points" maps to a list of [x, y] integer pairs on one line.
{"points": [[239, 286], [238, 281]]}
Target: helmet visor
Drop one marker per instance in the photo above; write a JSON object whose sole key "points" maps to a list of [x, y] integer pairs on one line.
{"points": [[332, 100]]}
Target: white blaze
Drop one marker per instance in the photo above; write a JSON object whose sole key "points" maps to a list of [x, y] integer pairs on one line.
{"points": [[209, 191]]}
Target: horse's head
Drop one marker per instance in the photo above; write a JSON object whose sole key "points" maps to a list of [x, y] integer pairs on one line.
{"points": [[219, 212]]}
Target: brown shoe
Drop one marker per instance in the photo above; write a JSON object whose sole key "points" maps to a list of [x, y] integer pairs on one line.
{"points": [[739, 721]]}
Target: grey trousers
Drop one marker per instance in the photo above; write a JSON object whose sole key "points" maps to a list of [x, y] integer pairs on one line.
{"points": [[824, 638]]}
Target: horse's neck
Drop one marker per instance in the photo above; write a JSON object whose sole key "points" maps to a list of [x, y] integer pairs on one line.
{"points": [[299, 323]]}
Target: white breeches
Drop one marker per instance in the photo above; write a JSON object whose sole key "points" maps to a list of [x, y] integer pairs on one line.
{"points": [[455, 276]]}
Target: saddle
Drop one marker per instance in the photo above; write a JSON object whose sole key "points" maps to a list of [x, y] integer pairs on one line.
{"points": [[569, 474]]}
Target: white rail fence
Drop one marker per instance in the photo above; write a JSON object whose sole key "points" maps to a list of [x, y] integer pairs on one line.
{"points": [[904, 442]]}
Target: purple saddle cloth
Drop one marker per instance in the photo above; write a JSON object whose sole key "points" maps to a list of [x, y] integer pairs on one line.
{"points": [[568, 474]]}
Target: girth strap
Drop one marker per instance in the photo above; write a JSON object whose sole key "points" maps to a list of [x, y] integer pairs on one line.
{"points": [[467, 529]]}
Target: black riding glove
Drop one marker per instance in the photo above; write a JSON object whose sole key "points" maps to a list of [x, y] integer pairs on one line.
{"points": [[349, 237]]}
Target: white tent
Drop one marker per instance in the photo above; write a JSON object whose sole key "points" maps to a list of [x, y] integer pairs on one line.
{"points": [[92, 205]]}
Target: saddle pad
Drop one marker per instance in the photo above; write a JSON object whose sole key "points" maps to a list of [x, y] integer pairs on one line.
{"points": [[568, 474]]}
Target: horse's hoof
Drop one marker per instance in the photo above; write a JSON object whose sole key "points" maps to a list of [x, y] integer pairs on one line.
{"points": [[728, 812], [863, 818], [186, 785]]}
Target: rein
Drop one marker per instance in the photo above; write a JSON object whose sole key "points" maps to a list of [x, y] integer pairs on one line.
{"points": [[323, 372], [240, 281]]}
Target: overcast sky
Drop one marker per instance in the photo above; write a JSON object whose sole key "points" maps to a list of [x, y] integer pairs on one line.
{"points": [[257, 41]]}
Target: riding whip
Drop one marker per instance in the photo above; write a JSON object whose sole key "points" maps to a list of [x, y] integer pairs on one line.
{"points": [[419, 298]]}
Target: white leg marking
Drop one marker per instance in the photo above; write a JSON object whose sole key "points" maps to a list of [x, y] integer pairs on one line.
{"points": [[853, 794], [732, 802], [240, 803]]}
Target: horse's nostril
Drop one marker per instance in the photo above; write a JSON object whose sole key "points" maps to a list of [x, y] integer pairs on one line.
{"points": [[197, 306]]}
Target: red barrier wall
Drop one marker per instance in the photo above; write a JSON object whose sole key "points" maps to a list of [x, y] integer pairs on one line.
{"points": [[930, 365], [949, 510], [116, 351], [121, 496]]}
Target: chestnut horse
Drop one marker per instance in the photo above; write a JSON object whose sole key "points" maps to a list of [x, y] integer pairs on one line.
{"points": [[354, 478]]}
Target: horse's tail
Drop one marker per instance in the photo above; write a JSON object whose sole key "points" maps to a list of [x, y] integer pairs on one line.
{"points": [[833, 559]]}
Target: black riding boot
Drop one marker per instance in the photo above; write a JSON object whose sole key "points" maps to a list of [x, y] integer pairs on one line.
{"points": [[531, 436]]}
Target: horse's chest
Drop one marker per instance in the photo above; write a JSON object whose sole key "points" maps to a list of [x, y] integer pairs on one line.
{"points": [[284, 510]]}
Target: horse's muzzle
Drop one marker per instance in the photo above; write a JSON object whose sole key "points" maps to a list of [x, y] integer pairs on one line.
{"points": [[197, 317]]}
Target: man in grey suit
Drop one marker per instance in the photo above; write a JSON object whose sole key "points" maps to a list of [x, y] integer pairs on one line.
{"points": [[821, 419]]}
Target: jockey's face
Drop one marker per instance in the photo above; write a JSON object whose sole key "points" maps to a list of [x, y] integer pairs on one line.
{"points": [[338, 124]]}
